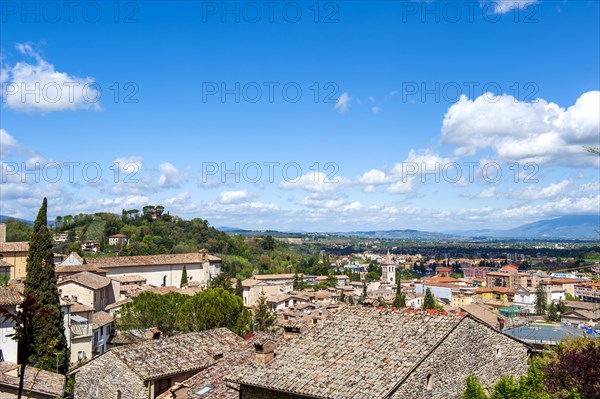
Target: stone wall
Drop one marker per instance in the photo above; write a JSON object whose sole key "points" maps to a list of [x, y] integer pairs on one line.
{"points": [[104, 376], [471, 348]]}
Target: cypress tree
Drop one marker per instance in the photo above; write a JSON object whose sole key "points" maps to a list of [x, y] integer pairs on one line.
{"points": [[184, 277], [400, 299], [49, 345], [429, 301]]}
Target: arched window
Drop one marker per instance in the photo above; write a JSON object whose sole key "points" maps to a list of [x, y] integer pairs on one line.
{"points": [[498, 352], [429, 382], [118, 395]]}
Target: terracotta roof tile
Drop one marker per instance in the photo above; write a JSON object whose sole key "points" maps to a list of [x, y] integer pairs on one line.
{"points": [[10, 296]]}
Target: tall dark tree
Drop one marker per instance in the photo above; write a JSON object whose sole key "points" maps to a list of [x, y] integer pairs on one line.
{"points": [[184, 277], [49, 345], [429, 301], [541, 300], [400, 298], [263, 317]]}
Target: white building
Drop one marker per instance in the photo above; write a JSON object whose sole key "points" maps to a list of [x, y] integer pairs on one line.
{"points": [[162, 270], [10, 299], [117, 239], [102, 329]]}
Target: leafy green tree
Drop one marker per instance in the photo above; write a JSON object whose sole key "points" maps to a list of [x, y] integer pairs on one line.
{"points": [[239, 289], [474, 390], [541, 301], [570, 297], [263, 317], [150, 309], [184, 277], [429, 302], [213, 308], [221, 281], [331, 281], [552, 313], [49, 340], [400, 298]]}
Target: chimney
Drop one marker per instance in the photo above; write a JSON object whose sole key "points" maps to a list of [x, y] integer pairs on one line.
{"points": [[2, 232], [265, 351]]}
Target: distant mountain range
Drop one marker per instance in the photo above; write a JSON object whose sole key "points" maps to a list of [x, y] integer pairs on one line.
{"points": [[564, 227], [4, 217], [574, 227]]}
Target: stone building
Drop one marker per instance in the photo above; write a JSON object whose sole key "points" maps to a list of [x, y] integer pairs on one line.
{"points": [[90, 289], [147, 369], [376, 354]]}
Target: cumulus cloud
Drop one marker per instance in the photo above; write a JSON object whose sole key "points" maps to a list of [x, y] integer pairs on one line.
{"points": [[129, 165], [504, 6], [234, 197], [343, 103], [7, 143], [169, 175], [539, 131], [38, 87], [315, 182]]}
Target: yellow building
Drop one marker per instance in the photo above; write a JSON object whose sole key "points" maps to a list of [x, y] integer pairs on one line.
{"points": [[13, 256]]}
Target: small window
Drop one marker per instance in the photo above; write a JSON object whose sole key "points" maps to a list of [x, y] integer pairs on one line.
{"points": [[204, 390], [429, 382], [498, 352], [118, 395]]}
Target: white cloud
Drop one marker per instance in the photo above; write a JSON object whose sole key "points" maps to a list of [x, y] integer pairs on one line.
{"points": [[539, 131], [343, 103], [374, 177], [234, 197], [7, 143], [315, 182], [169, 175], [553, 190], [39, 87], [487, 193], [129, 165], [504, 6], [375, 110]]}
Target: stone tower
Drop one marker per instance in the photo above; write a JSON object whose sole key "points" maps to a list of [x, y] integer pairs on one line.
{"points": [[388, 270]]}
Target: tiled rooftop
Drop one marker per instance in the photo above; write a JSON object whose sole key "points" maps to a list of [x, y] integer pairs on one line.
{"points": [[87, 279], [341, 357], [237, 353], [101, 318], [174, 355], [144, 260], [10, 296], [36, 380]]}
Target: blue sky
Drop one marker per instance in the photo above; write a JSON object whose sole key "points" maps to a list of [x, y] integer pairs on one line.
{"points": [[313, 116]]}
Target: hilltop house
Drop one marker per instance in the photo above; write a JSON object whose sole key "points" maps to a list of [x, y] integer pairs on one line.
{"points": [[376, 354], [117, 239]]}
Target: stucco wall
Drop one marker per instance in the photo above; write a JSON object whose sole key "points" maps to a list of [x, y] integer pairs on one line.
{"points": [[155, 274], [8, 344]]}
